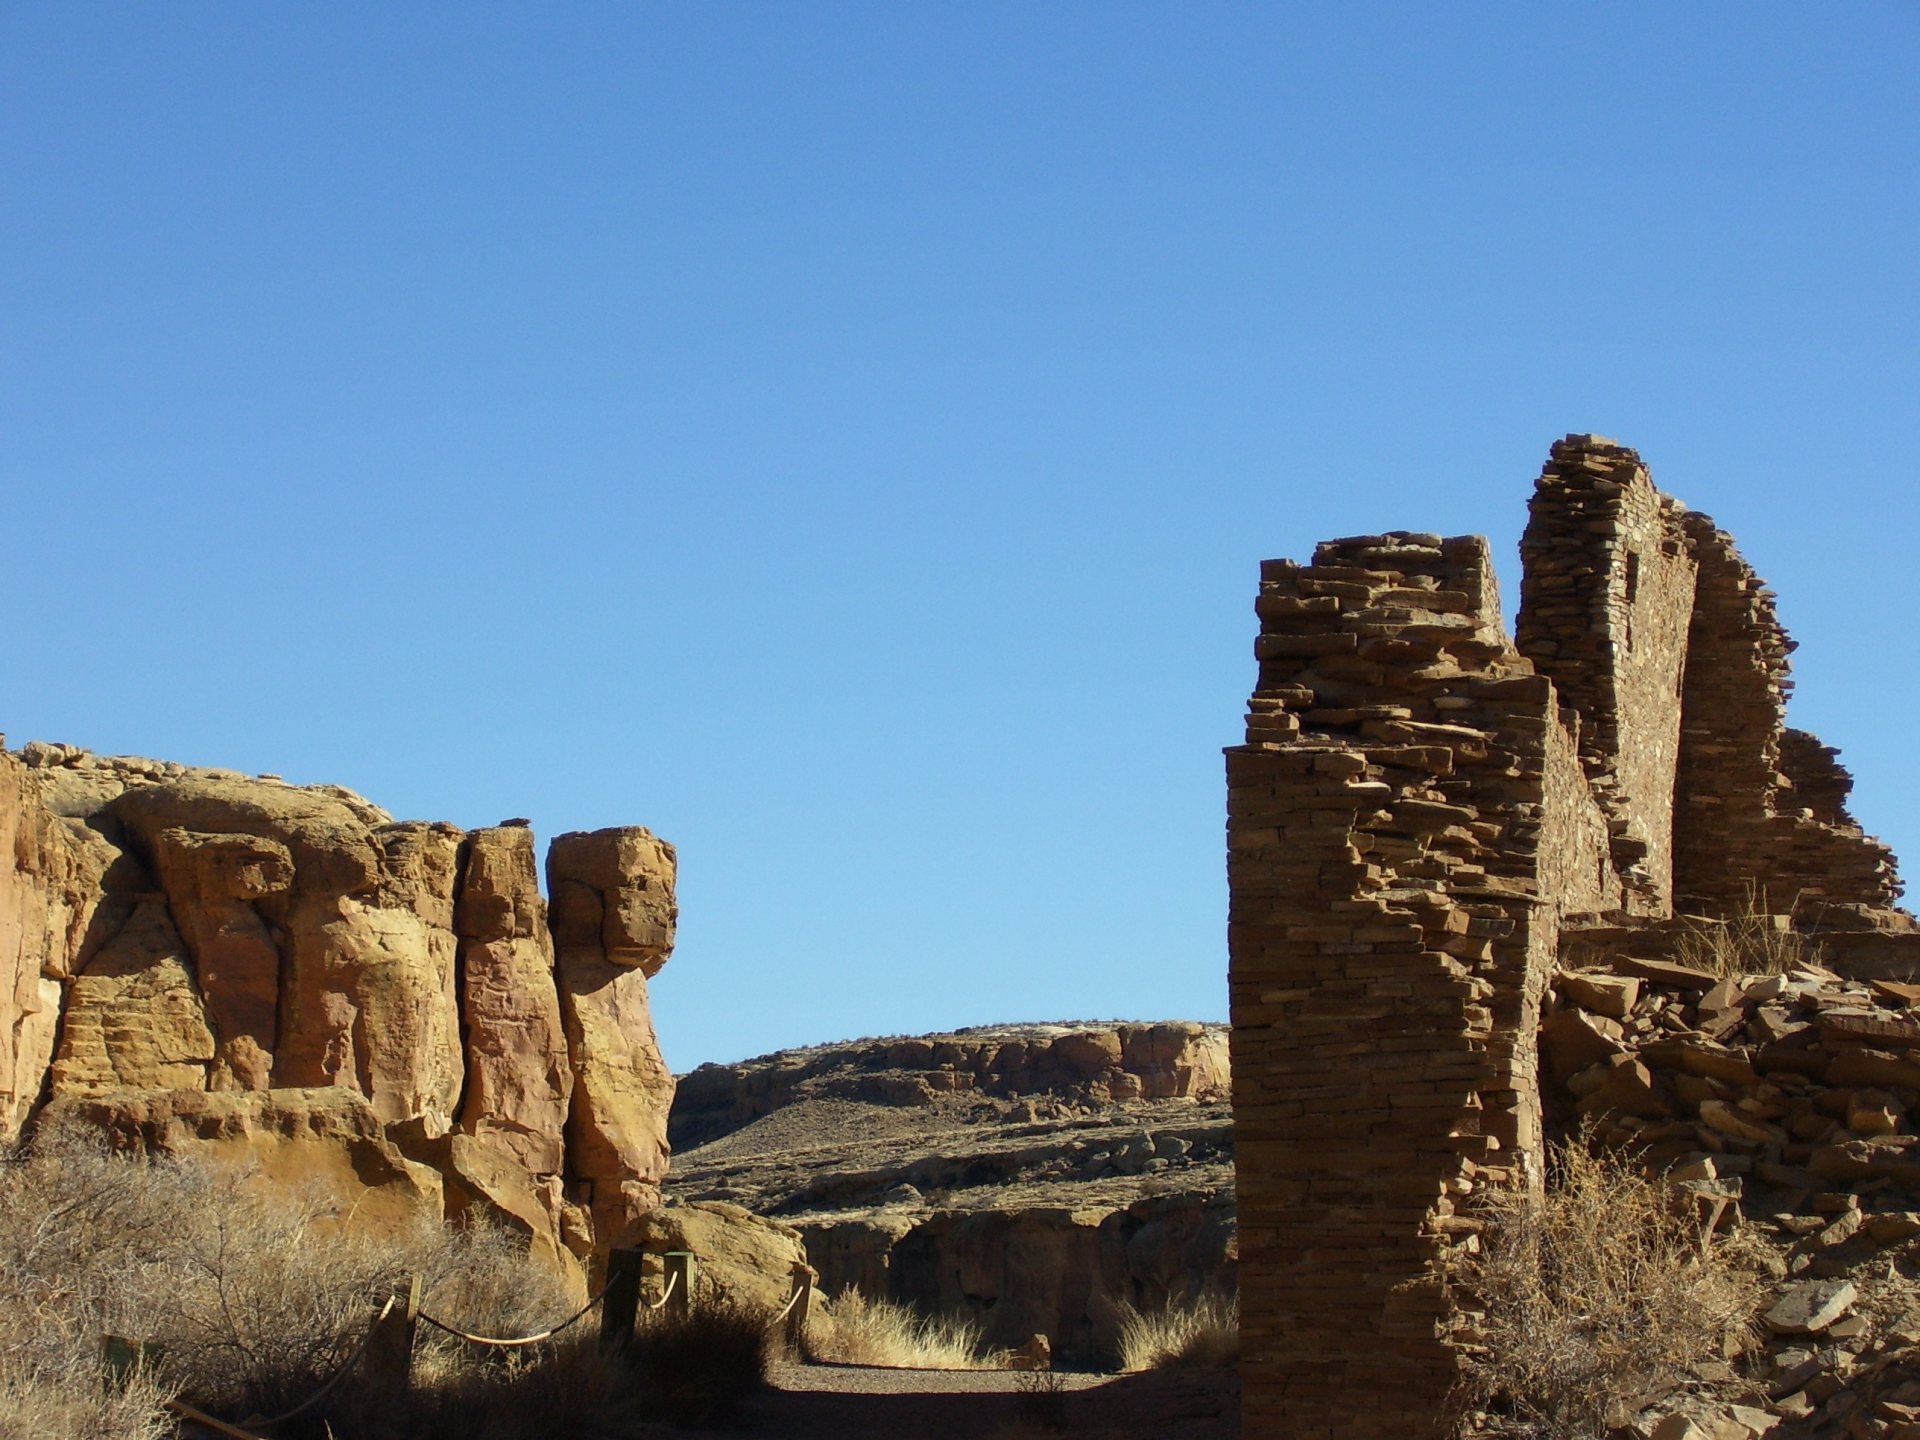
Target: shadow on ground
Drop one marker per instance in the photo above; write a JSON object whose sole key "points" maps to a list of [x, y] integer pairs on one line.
{"points": [[833, 1402]]}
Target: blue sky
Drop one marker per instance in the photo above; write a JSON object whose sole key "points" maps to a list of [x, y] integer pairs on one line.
{"points": [[843, 437]]}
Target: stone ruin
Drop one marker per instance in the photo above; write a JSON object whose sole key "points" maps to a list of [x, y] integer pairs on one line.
{"points": [[198, 960], [1424, 813]]}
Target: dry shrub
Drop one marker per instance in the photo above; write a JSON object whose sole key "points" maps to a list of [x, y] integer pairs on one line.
{"points": [[270, 1298], [252, 1299], [859, 1331], [85, 1242], [1597, 1299], [571, 1386], [694, 1366], [1201, 1333], [1042, 1402], [1748, 942]]}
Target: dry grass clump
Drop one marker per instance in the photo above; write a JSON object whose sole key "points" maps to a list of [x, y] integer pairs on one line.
{"points": [[568, 1387], [860, 1331], [1201, 1333], [1042, 1401], [1749, 942], [1597, 1299]]}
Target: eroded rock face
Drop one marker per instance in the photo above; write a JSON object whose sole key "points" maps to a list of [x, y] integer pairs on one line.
{"points": [[519, 1076], [1033, 1177], [613, 926], [235, 959]]}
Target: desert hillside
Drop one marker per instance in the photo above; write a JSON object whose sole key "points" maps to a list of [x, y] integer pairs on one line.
{"points": [[1033, 1176]]}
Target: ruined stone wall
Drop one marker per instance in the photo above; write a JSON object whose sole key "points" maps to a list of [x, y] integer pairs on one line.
{"points": [[1607, 586], [190, 952], [1391, 941], [1419, 806], [1745, 835]]}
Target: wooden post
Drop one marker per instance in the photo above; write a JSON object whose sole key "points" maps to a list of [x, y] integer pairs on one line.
{"points": [[621, 1304], [123, 1357], [681, 1271], [389, 1361], [802, 1300]]}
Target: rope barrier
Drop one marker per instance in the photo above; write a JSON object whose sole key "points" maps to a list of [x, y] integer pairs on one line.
{"points": [[332, 1380], [787, 1309], [666, 1294], [503, 1343], [200, 1417]]}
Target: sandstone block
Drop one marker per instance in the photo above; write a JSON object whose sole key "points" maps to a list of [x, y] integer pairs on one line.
{"points": [[1810, 1306]]}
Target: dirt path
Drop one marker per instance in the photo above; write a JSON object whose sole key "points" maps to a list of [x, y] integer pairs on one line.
{"points": [[850, 1402]]}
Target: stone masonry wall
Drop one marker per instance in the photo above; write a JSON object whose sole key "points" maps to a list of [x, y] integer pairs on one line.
{"points": [[1606, 589], [1391, 944], [1419, 808], [1745, 837]]}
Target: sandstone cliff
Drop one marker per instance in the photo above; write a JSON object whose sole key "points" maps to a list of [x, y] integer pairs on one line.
{"points": [[194, 957]]}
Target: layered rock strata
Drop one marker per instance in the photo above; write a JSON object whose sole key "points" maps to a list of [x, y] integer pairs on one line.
{"points": [[1170, 1060], [1032, 1178], [1423, 812], [194, 956]]}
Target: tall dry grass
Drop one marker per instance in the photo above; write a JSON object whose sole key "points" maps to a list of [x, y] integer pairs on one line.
{"points": [[1200, 1333], [1597, 1299], [863, 1331], [694, 1366], [1748, 942]]}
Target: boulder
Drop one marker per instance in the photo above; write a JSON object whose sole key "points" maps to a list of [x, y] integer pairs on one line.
{"points": [[741, 1256]]}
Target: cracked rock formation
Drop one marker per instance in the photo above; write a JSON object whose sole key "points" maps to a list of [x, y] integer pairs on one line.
{"points": [[196, 957]]}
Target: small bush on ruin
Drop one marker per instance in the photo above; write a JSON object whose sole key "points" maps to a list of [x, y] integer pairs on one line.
{"points": [[862, 1331], [1201, 1333], [1598, 1298]]}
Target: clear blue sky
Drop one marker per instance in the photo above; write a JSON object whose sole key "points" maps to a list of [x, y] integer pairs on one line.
{"points": [[842, 437]]}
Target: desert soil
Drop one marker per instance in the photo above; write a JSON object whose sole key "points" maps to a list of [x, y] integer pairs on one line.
{"points": [[851, 1402]]}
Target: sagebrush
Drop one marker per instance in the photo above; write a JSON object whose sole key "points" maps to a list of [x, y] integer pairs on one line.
{"points": [[1595, 1299], [250, 1298]]}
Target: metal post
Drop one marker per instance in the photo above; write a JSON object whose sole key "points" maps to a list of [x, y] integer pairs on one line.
{"points": [[621, 1303]]}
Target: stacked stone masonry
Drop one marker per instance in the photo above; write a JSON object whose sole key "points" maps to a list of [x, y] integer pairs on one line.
{"points": [[196, 957], [1423, 811]]}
